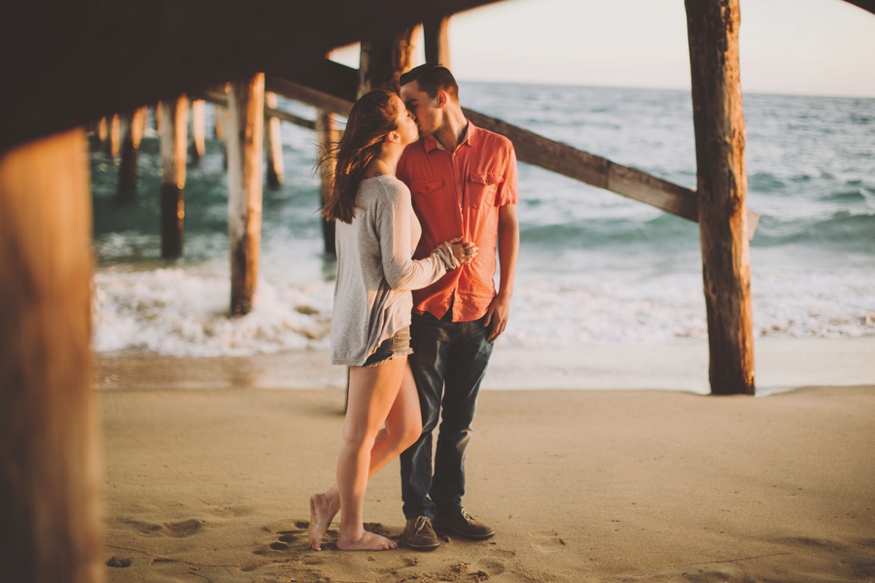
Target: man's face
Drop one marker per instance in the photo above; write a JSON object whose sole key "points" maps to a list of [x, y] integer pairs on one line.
{"points": [[424, 108]]}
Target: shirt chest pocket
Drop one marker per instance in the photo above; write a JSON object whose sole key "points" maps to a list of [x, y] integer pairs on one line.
{"points": [[430, 198], [483, 188]]}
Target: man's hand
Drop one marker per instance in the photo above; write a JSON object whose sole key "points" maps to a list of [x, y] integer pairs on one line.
{"points": [[497, 315]]}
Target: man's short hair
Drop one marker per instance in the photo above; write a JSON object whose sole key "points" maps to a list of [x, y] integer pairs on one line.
{"points": [[431, 79]]}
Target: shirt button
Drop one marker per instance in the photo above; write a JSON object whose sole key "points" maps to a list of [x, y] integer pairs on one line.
{"points": [[458, 181]]}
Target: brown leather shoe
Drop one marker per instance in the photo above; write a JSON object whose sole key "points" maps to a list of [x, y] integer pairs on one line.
{"points": [[460, 522], [419, 535]]}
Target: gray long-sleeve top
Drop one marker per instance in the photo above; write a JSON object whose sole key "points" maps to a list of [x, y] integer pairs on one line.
{"points": [[375, 272]]}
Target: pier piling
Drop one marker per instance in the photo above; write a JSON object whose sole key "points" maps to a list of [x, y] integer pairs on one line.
{"points": [[245, 139], [436, 37], [327, 135], [113, 131], [384, 59], [51, 478], [174, 128], [273, 144], [219, 114], [198, 130], [134, 124], [718, 117]]}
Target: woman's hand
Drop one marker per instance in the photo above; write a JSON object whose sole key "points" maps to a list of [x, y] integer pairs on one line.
{"points": [[464, 252]]}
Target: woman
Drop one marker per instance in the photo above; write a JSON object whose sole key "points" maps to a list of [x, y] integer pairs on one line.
{"points": [[376, 234]]}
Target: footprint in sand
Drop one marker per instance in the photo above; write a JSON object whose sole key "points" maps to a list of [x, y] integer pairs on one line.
{"points": [[173, 529], [286, 540], [489, 566], [231, 511], [289, 536], [118, 563], [184, 528], [504, 554], [547, 541]]}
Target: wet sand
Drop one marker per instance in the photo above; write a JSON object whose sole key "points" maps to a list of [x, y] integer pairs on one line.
{"points": [[211, 483]]}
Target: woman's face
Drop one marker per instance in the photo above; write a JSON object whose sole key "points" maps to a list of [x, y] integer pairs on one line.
{"points": [[406, 123]]}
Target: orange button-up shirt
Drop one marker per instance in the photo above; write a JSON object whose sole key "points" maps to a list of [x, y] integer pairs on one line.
{"points": [[458, 194]]}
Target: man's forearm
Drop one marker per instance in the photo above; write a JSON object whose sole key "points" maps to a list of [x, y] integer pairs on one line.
{"points": [[508, 249]]}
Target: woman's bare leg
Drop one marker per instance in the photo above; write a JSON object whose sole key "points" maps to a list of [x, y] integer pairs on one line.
{"points": [[403, 427], [372, 391]]}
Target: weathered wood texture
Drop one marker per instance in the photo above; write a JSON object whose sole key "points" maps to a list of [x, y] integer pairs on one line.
{"points": [[273, 144], [245, 139], [328, 135], [50, 524], [595, 170], [174, 132], [176, 46], [384, 58], [718, 118], [436, 35], [134, 125], [198, 130]]}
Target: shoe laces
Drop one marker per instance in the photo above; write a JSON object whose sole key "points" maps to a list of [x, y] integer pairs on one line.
{"points": [[421, 522], [465, 515]]}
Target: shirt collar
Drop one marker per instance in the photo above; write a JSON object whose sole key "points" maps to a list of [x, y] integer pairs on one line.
{"points": [[430, 143]]}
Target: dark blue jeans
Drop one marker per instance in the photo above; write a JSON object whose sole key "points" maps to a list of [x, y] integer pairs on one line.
{"points": [[449, 360]]}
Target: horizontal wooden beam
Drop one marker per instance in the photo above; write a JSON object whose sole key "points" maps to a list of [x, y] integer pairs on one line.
{"points": [[221, 99], [104, 56]]}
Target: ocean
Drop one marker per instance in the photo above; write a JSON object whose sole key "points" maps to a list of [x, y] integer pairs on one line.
{"points": [[595, 269]]}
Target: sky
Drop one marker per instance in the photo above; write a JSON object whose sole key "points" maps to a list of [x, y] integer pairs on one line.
{"points": [[808, 47]]}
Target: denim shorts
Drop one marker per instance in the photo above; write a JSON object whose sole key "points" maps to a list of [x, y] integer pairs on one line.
{"points": [[397, 345]]}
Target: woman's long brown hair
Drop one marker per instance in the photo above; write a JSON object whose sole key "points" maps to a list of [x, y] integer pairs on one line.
{"points": [[371, 119]]}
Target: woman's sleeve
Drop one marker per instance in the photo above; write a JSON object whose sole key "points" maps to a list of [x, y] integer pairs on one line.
{"points": [[393, 219]]}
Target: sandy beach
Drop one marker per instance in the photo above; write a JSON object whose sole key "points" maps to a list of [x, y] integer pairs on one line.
{"points": [[209, 480]]}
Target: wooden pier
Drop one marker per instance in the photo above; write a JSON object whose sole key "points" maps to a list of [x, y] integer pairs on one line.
{"points": [[50, 527]]}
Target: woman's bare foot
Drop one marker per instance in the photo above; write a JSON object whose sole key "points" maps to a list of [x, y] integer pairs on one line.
{"points": [[322, 512], [367, 542]]}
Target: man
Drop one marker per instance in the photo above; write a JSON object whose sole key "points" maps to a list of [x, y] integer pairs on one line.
{"points": [[463, 181]]}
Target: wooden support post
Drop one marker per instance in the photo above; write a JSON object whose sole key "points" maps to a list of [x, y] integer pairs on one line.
{"points": [[127, 175], [328, 135], [219, 122], [198, 130], [174, 116], [50, 523], [274, 145], [384, 59], [437, 41], [112, 144], [101, 130], [712, 27], [245, 139]]}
